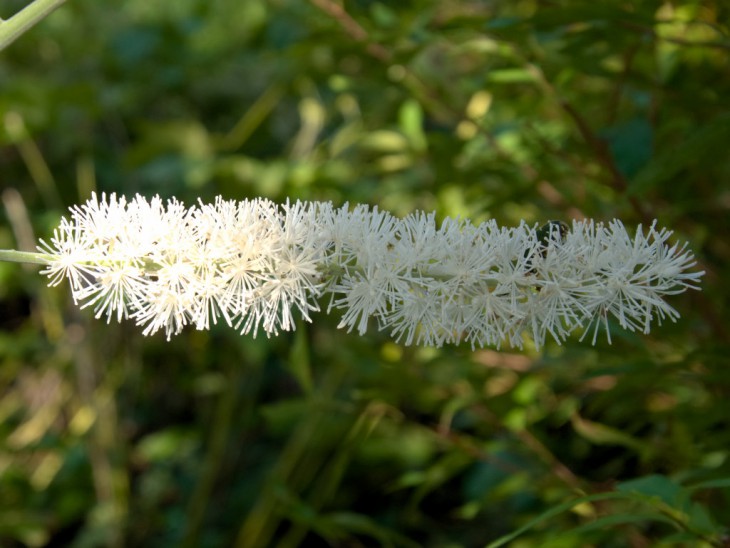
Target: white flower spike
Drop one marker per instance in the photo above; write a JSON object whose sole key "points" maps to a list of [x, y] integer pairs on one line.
{"points": [[253, 265]]}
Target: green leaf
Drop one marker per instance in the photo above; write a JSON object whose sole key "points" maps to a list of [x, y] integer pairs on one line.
{"points": [[550, 513], [631, 145], [635, 517], [385, 140], [361, 524], [166, 445], [410, 117], [602, 434], [703, 145], [655, 486], [510, 76], [693, 516], [719, 483]]}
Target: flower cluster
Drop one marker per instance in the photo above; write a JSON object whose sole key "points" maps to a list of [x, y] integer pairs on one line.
{"points": [[253, 264]]}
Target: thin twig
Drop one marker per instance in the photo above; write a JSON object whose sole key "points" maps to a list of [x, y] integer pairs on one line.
{"points": [[631, 25], [354, 29], [410, 80], [11, 29], [602, 153]]}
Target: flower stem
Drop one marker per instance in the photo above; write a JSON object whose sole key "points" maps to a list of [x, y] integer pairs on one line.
{"points": [[13, 256], [18, 24]]}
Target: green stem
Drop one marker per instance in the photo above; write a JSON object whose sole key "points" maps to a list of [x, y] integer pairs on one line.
{"points": [[332, 271], [13, 256], [200, 501], [26, 18]]}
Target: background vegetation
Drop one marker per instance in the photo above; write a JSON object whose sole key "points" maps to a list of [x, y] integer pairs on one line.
{"points": [[508, 109]]}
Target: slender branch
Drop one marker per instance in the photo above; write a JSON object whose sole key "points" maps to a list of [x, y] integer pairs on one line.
{"points": [[602, 153], [429, 97], [717, 44], [11, 29], [354, 29], [599, 147]]}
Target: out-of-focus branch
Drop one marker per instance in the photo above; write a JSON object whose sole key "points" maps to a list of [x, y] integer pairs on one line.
{"points": [[651, 32], [353, 28], [11, 29], [407, 78]]}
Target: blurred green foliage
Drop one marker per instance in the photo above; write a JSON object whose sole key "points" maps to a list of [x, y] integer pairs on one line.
{"points": [[508, 109]]}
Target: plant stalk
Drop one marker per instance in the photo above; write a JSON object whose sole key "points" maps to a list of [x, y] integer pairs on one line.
{"points": [[11, 29], [13, 256]]}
